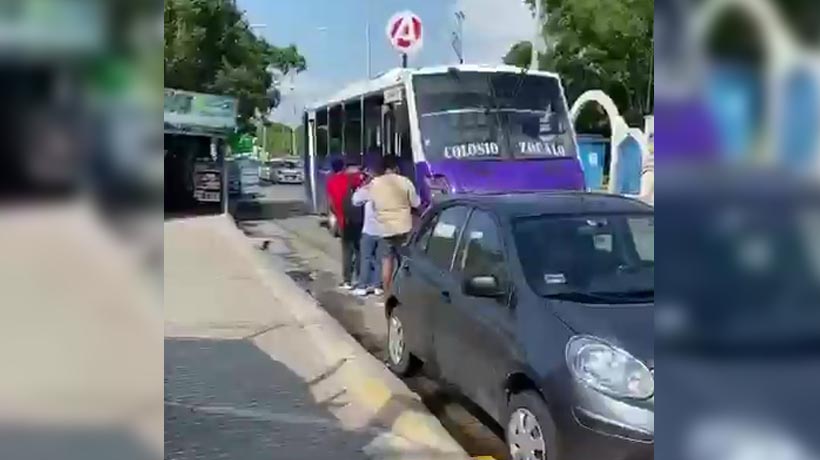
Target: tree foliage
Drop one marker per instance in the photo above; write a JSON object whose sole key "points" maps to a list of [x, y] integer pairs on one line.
{"points": [[599, 44], [278, 138], [210, 47]]}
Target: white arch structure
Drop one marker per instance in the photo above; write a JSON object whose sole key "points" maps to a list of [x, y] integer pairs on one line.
{"points": [[783, 55], [620, 130]]}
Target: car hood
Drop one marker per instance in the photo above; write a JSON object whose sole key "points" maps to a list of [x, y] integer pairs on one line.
{"points": [[631, 327], [489, 176]]}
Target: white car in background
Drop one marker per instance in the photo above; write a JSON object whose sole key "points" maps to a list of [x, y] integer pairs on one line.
{"points": [[288, 172]]}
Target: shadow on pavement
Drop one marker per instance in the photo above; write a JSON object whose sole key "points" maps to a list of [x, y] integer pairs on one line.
{"points": [[266, 210], [228, 399], [36, 443], [186, 210]]}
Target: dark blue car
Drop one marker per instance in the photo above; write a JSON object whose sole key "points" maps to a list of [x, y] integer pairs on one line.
{"points": [[539, 308]]}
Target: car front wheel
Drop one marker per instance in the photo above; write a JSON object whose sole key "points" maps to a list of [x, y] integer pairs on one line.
{"points": [[530, 430], [399, 358]]}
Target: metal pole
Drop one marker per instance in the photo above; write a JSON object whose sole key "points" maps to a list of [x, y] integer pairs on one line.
{"points": [[362, 122], [651, 80], [460, 19], [265, 140], [536, 37], [367, 40], [223, 164], [404, 61], [461, 37]]}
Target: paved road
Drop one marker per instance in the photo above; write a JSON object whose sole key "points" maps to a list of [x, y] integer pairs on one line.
{"points": [[248, 377], [313, 258]]}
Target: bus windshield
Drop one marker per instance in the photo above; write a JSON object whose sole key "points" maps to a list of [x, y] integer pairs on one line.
{"points": [[492, 116]]}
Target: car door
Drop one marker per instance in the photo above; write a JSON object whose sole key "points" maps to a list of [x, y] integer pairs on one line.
{"points": [[424, 280], [482, 342]]}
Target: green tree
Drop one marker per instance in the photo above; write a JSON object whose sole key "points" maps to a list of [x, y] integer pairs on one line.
{"points": [[599, 44], [209, 47], [278, 137]]}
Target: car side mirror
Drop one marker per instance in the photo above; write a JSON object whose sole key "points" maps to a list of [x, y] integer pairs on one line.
{"points": [[483, 286]]}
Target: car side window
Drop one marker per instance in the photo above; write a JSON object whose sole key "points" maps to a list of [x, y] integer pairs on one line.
{"points": [[426, 232], [482, 252], [442, 241]]}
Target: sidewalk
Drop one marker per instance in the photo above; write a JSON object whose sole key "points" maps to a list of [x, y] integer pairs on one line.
{"points": [[255, 369], [82, 350]]}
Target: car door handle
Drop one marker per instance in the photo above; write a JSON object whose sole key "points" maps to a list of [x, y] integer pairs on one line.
{"points": [[445, 295]]}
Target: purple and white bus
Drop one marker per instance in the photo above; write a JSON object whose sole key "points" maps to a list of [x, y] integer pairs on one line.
{"points": [[457, 129]]}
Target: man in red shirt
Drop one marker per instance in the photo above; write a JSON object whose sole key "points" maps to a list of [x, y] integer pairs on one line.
{"points": [[344, 178]]}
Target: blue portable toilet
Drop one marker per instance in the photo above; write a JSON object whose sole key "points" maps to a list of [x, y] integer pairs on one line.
{"points": [[592, 153], [799, 121], [630, 164], [734, 96]]}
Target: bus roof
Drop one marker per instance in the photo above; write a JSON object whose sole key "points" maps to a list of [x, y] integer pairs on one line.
{"points": [[397, 76]]}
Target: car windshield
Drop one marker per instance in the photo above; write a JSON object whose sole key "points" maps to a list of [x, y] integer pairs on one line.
{"points": [[591, 258], [492, 115]]}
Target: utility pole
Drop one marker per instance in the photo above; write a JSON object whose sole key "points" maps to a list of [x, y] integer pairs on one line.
{"points": [[265, 139], [651, 81], [367, 40], [293, 133], [537, 37]]}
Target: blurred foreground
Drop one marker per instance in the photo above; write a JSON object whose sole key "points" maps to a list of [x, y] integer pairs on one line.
{"points": [[80, 230], [738, 327], [81, 227]]}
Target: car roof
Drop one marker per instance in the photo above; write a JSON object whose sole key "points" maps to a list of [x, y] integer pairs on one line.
{"points": [[522, 204]]}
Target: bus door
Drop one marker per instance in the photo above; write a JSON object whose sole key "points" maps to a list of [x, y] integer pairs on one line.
{"points": [[309, 160], [396, 131]]}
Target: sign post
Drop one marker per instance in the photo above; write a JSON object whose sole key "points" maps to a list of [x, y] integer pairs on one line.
{"points": [[404, 30], [458, 36]]}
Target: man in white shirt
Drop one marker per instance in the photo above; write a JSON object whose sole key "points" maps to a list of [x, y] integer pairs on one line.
{"points": [[370, 263]]}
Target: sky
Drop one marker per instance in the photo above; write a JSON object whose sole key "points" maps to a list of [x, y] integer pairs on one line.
{"points": [[331, 34]]}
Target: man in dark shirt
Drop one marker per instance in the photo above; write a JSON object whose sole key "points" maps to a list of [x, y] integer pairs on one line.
{"points": [[340, 188]]}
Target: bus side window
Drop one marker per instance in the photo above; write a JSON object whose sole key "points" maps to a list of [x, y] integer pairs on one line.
{"points": [[352, 130], [402, 126], [336, 130], [372, 127], [387, 130], [321, 138]]}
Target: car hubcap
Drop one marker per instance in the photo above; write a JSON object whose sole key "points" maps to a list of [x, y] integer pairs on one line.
{"points": [[525, 438], [396, 340]]}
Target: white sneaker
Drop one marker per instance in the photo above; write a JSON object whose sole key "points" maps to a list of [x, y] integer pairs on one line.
{"points": [[345, 286], [378, 292], [360, 292]]}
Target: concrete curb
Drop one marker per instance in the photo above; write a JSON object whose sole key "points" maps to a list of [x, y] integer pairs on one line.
{"points": [[391, 403]]}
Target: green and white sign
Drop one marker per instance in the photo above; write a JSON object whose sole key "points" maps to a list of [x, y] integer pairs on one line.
{"points": [[199, 114]]}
